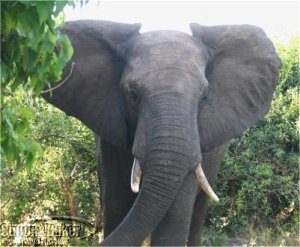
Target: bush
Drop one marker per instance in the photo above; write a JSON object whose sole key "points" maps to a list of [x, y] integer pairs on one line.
{"points": [[67, 167]]}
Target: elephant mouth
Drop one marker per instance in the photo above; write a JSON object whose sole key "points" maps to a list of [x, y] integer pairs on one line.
{"points": [[136, 175]]}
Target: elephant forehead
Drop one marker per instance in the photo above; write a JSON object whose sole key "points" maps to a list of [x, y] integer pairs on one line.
{"points": [[164, 49], [152, 38]]}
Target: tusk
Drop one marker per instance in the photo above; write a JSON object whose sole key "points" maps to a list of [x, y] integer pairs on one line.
{"points": [[136, 174], [204, 184]]}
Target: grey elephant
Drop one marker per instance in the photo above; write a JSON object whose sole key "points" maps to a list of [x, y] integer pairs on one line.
{"points": [[163, 105]]}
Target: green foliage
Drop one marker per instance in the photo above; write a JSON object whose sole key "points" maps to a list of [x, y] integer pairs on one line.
{"points": [[289, 73], [29, 35], [69, 153], [67, 143], [15, 122], [258, 182]]}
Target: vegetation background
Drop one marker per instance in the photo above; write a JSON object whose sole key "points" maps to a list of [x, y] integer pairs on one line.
{"points": [[48, 159]]}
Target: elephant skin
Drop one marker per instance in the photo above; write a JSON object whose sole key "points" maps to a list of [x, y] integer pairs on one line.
{"points": [[171, 101]]}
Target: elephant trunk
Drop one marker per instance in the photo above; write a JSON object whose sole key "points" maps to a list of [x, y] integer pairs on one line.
{"points": [[168, 159], [155, 197]]}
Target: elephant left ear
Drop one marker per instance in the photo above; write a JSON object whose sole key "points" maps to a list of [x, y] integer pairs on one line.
{"points": [[242, 78], [90, 90]]}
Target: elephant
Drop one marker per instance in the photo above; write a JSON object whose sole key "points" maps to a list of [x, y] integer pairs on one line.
{"points": [[163, 105]]}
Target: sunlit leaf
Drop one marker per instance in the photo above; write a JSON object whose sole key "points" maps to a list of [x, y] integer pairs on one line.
{"points": [[51, 37]]}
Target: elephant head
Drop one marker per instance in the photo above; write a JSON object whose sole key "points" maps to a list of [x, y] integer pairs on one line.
{"points": [[167, 96]]}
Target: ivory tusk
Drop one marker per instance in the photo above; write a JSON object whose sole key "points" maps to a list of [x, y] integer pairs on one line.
{"points": [[204, 184], [136, 174]]}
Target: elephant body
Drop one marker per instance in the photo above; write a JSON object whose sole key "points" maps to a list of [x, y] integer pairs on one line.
{"points": [[163, 104], [117, 197]]}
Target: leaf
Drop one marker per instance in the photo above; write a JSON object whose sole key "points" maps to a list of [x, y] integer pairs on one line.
{"points": [[10, 151], [16, 82], [32, 57], [32, 152], [67, 47], [10, 126], [44, 67], [52, 37], [59, 6], [26, 2], [39, 86], [21, 128], [35, 35], [65, 52], [44, 10], [4, 72], [29, 160], [26, 113], [32, 81], [36, 148], [23, 21], [47, 44], [9, 21], [31, 27]]}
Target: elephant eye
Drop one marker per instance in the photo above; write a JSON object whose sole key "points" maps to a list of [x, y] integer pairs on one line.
{"points": [[134, 97]]}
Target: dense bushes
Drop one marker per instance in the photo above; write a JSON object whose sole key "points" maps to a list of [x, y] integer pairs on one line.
{"points": [[63, 181], [258, 181]]}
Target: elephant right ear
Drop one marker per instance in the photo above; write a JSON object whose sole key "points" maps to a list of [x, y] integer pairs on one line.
{"points": [[241, 80], [91, 92]]}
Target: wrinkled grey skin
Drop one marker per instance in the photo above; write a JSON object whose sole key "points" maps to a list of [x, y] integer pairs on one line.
{"points": [[171, 100]]}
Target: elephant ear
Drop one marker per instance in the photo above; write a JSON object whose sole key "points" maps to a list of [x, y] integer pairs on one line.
{"points": [[90, 90], [242, 77]]}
